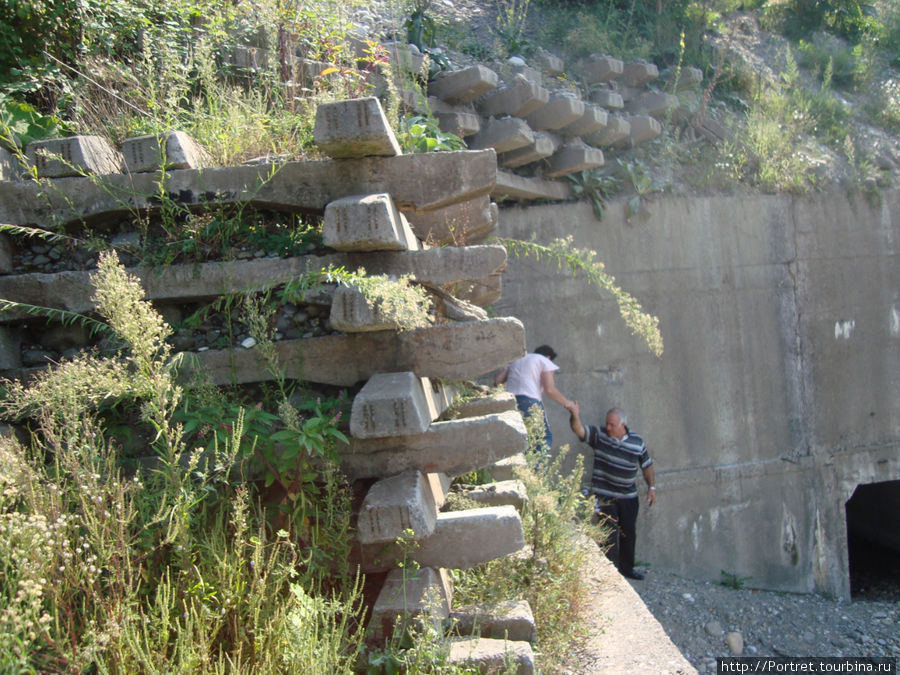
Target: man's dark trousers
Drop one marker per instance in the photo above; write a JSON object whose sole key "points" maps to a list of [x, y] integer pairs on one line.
{"points": [[622, 516]]}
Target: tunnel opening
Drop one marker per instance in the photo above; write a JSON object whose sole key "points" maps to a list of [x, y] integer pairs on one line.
{"points": [[873, 541]]}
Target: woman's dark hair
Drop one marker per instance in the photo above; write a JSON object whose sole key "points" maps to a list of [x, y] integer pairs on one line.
{"points": [[546, 350]]}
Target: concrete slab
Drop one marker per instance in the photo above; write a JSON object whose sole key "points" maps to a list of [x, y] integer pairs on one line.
{"points": [[511, 186], [500, 493], [495, 402], [352, 312], [354, 128], [461, 540], [72, 291], [420, 595], [601, 68], [458, 351], [73, 156], [464, 86], [573, 157], [505, 469], [462, 124], [518, 99], [457, 224], [607, 98], [543, 146], [487, 655], [395, 504], [593, 119], [502, 134], [510, 620], [638, 73], [617, 129], [170, 150], [367, 223], [475, 441], [395, 404], [419, 182], [560, 111]]}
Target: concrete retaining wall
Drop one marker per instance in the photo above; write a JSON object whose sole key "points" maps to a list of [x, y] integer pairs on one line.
{"points": [[779, 389]]}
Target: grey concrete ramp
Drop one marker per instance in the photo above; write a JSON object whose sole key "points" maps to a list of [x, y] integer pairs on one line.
{"points": [[73, 156], [354, 128], [452, 351], [502, 134], [464, 86], [452, 447], [489, 655], [396, 504], [420, 182], [169, 151], [395, 404], [510, 620]]}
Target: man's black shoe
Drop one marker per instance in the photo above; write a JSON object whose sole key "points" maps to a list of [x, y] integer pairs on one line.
{"points": [[634, 574]]}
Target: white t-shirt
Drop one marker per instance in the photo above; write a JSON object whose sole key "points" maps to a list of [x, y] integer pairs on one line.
{"points": [[523, 376]]}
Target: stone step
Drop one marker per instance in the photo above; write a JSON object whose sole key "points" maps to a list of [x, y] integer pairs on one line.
{"points": [[425, 594], [354, 128], [506, 468], [72, 291], [461, 540], [487, 655], [171, 150], [510, 620], [495, 402], [397, 404], [601, 68], [419, 182], [573, 157], [457, 351], [395, 504], [499, 493], [367, 223], [617, 130], [593, 119], [511, 186], [475, 442], [560, 111], [638, 73], [544, 145], [518, 99], [502, 134], [73, 156], [458, 224], [464, 86]]}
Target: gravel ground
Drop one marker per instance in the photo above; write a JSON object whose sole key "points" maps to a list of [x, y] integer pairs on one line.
{"points": [[706, 620]]}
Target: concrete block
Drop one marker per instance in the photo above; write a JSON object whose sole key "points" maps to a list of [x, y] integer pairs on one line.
{"points": [[502, 135], [464, 86], [687, 78], [477, 442], [421, 182], [638, 73], [6, 258], [367, 223], [630, 93], [518, 99], [495, 402], [511, 186], [394, 504], [543, 146], [550, 64], [511, 620], [309, 72], [500, 493], [559, 111], [522, 71], [481, 292], [247, 58], [643, 128], [394, 404], [460, 124], [440, 486], [354, 128], [617, 129], [420, 595], [10, 352], [406, 57], [461, 540], [505, 469], [74, 156], [653, 103], [457, 224], [593, 119], [601, 68], [573, 157], [608, 98], [9, 165], [487, 655], [352, 312], [171, 150]]}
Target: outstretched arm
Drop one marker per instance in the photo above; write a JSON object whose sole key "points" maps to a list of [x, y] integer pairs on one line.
{"points": [[575, 420], [549, 387]]}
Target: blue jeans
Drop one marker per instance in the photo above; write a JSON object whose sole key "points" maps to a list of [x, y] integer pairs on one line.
{"points": [[525, 404]]}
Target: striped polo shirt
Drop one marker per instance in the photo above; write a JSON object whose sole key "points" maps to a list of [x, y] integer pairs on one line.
{"points": [[616, 462]]}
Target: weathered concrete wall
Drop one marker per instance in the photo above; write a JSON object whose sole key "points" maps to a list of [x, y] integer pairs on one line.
{"points": [[779, 389]]}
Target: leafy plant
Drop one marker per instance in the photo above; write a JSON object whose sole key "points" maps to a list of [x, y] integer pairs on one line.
{"points": [[509, 26], [21, 123], [421, 133], [733, 581], [594, 186]]}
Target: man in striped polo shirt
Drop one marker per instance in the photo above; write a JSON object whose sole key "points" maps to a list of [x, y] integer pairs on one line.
{"points": [[618, 454]]}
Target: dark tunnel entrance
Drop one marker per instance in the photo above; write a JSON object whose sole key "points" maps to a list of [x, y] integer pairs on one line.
{"points": [[873, 541]]}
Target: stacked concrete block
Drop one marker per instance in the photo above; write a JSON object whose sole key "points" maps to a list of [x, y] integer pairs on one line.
{"points": [[405, 56], [573, 157], [490, 655], [653, 103], [6, 259], [617, 129], [353, 312], [544, 145], [396, 505], [9, 165], [641, 128], [593, 119], [464, 86], [500, 493], [507, 468], [74, 156], [392, 404], [416, 596], [466, 222], [638, 73], [601, 68], [367, 223], [247, 58], [458, 123], [518, 99], [607, 98], [356, 128], [550, 64], [510, 620], [560, 111], [503, 135], [168, 151]]}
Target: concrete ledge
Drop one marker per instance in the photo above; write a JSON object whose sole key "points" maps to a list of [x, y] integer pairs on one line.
{"points": [[487, 655], [171, 150], [501, 401], [511, 186], [501, 493], [464, 86], [512, 620]]}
